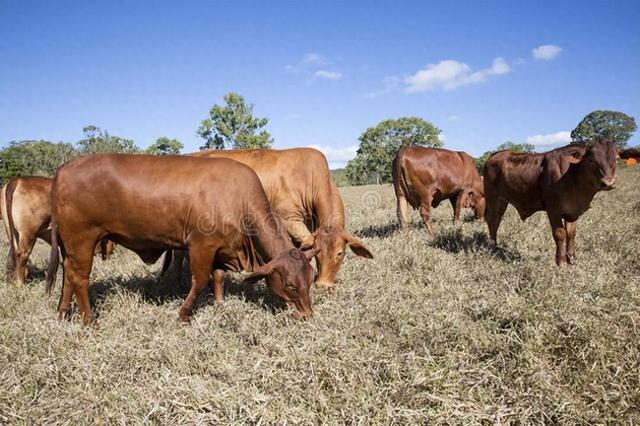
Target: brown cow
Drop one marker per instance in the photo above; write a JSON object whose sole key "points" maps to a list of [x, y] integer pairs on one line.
{"points": [[214, 208], [26, 214], [301, 191], [426, 176], [561, 182]]}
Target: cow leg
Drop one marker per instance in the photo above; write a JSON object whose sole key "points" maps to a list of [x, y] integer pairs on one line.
{"points": [[22, 258], [201, 258], [495, 211], [76, 270], [570, 228], [401, 211], [175, 258], [456, 203], [425, 212], [218, 286], [166, 262], [559, 235]]}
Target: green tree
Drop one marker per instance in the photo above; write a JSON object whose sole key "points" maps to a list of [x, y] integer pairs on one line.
{"points": [[165, 146], [507, 146], [30, 157], [340, 177], [379, 144], [234, 126], [98, 141], [601, 124]]}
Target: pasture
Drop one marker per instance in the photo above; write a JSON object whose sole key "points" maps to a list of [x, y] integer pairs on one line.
{"points": [[438, 330]]}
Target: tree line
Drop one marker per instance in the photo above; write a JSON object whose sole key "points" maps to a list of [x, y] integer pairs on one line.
{"points": [[233, 126]]}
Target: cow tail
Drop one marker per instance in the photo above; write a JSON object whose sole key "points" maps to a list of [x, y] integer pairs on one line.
{"points": [[396, 173], [54, 255], [13, 236], [402, 184]]}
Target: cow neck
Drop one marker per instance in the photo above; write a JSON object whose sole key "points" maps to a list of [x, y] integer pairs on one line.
{"points": [[329, 208], [270, 236], [580, 178]]}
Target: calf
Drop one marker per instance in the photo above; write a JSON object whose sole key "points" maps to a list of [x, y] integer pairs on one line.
{"points": [[561, 182]]}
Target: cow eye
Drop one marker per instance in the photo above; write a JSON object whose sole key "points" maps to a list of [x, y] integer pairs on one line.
{"points": [[340, 253]]}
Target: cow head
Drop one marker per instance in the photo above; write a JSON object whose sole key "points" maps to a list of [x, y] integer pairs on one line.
{"points": [[331, 243], [289, 276], [601, 158]]}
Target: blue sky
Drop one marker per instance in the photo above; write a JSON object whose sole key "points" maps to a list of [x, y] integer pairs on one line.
{"points": [[321, 72]]}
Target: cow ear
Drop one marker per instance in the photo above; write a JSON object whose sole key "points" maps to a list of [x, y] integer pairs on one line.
{"points": [[356, 246], [259, 273], [574, 157], [309, 254]]}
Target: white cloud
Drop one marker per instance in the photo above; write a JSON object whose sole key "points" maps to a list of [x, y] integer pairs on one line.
{"points": [[558, 138], [450, 74], [337, 157], [328, 75], [453, 118], [546, 52], [314, 58], [308, 63]]}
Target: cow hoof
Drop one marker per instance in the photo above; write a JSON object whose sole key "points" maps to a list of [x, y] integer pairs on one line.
{"points": [[571, 259], [64, 314], [325, 286], [184, 319]]}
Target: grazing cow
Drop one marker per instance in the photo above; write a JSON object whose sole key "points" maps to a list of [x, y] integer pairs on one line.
{"points": [[214, 208], [301, 191], [26, 214], [561, 182], [426, 176]]}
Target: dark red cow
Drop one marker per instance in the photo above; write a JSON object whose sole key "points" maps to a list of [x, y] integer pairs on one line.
{"points": [[561, 182]]}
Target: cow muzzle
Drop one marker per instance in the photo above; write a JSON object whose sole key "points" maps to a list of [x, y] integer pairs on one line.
{"points": [[302, 315], [607, 184], [302, 310]]}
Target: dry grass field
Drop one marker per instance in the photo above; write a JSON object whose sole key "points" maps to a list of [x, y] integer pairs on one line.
{"points": [[434, 330]]}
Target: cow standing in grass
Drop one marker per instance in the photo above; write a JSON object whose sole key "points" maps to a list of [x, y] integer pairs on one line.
{"points": [[561, 182], [301, 191], [214, 208], [424, 177]]}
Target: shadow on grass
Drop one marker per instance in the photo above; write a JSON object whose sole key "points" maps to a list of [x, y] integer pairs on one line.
{"points": [[36, 273], [169, 288], [453, 241], [469, 218], [382, 231]]}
